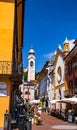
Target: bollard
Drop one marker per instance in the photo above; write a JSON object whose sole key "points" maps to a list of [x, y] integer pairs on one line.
{"points": [[6, 120], [28, 123], [21, 122]]}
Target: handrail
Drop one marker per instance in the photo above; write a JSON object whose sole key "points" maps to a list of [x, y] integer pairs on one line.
{"points": [[9, 68]]}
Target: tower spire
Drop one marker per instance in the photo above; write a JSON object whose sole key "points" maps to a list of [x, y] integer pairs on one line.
{"points": [[31, 46]]}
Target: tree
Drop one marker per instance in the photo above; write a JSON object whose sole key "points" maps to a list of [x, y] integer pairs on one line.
{"points": [[26, 75]]}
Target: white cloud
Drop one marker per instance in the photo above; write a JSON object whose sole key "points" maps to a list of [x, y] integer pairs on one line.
{"points": [[49, 55]]}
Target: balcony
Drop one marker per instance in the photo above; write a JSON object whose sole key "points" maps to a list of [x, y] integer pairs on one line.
{"points": [[10, 68]]}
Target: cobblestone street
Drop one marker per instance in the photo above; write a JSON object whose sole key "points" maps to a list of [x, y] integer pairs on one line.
{"points": [[52, 123]]}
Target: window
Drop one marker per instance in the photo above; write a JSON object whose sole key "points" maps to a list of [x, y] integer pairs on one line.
{"points": [[75, 83], [70, 84], [70, 68], [31, 63], [3, 85], [3, 91], [27, 93], [59, 74]]}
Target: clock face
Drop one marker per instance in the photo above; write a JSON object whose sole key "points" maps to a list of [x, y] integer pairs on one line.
{"points": [[59, 74], [31, 63]]}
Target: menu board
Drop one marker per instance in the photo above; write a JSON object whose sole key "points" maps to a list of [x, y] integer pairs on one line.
{"points": [[70, 118]]}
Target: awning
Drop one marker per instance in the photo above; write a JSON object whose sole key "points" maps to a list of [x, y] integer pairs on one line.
{"points": [[35, 101], [54, 101], [69, 100]]}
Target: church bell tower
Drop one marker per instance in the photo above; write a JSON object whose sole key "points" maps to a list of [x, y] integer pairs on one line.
{"points": [[31, 64]]}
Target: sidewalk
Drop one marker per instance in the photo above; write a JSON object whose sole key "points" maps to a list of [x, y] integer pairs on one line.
{"points": [[53, 123]]}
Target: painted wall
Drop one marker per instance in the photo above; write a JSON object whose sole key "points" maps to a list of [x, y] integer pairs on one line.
{"points": [[4, 100], [6, 48], [60, 86], [4, 104], [6, 30]]}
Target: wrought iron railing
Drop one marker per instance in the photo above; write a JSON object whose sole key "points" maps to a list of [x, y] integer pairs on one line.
{"points": [[10, 68]]}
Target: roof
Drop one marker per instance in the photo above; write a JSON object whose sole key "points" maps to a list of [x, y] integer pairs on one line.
{"points": [[66, 40], [29, 84], [70, 42], [31, 51]]}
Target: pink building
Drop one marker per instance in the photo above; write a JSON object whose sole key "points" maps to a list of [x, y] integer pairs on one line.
{"points": [[28, 86], [28, 91]]}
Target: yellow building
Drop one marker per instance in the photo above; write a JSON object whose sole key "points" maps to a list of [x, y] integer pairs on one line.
{"points": [[60, 81], [11, 43]]}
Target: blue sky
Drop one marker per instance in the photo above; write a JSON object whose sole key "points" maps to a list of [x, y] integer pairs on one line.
{"points": [[46, 24]]}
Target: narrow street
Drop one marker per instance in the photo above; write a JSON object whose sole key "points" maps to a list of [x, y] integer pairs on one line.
{"points": [[53, 123]]}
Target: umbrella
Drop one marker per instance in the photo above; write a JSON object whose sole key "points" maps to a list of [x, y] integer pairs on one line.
{"points": [[35, 101], [54, 101], [69, 100]]}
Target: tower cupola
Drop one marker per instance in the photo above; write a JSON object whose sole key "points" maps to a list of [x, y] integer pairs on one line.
{"points": [[66, 46]]}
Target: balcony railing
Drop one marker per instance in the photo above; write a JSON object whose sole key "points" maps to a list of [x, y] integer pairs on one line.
{"points": [[10, 68]]}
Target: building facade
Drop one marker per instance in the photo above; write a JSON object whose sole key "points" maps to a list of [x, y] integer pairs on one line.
{"points": [[71, 71], [59, 79], [11, 43], [45, 82], [42, 81]]}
